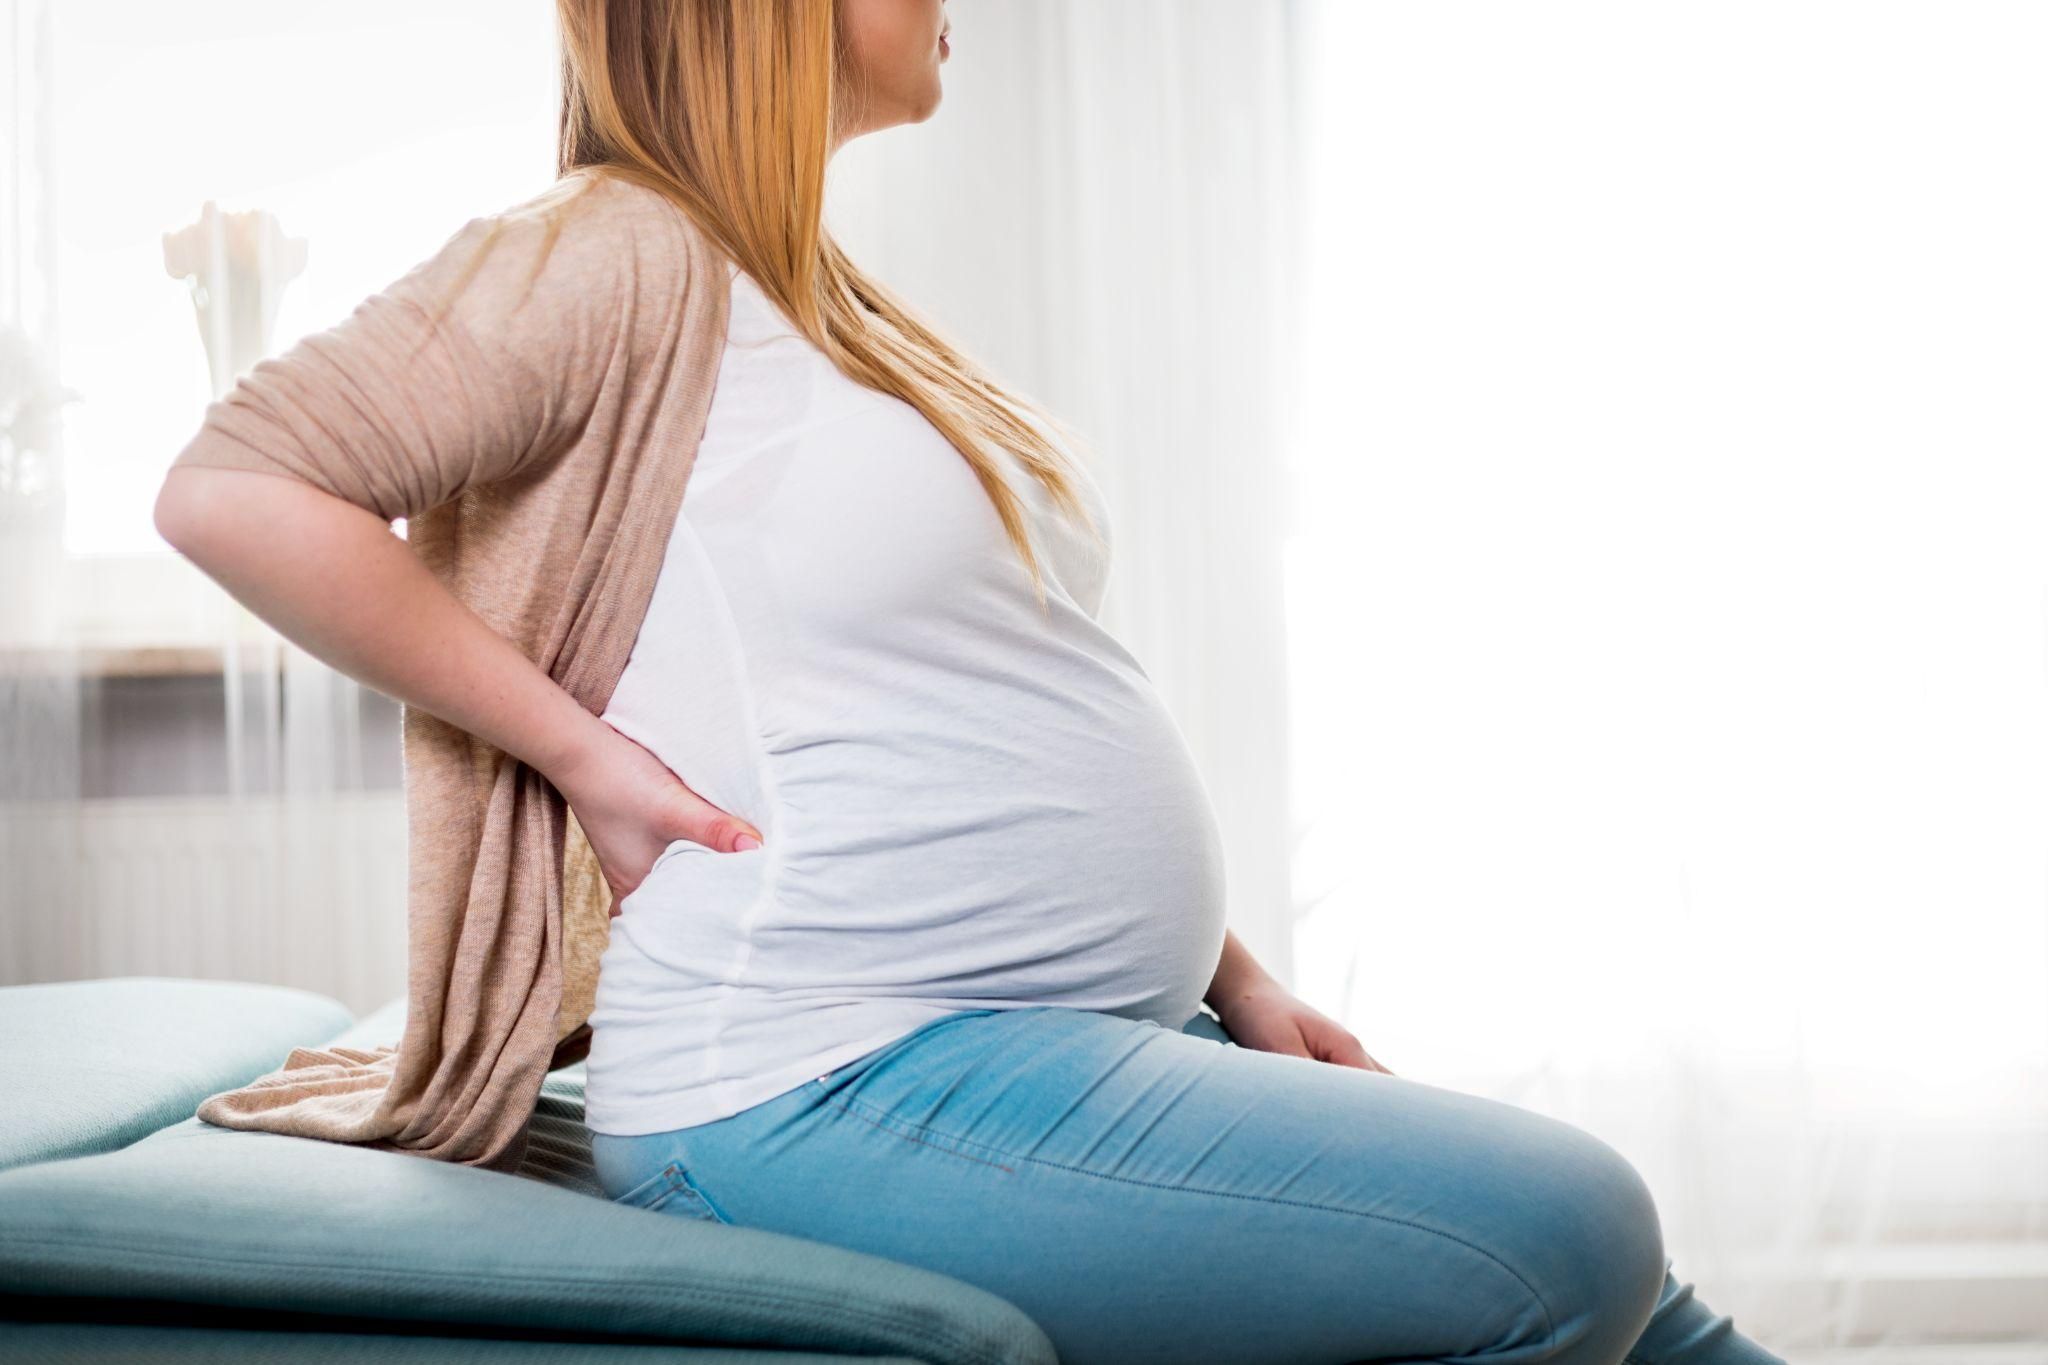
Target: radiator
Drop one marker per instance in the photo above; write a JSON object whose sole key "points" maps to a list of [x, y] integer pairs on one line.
{"points": [[306, 892]]}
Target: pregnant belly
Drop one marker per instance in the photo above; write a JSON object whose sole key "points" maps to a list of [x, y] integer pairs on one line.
{"points": [[1087, 873]]}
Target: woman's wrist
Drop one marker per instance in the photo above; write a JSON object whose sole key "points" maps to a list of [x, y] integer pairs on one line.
{"points": [[566, 745], [1238, 977]]}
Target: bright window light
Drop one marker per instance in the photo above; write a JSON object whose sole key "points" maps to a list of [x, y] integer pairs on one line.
{"points": [[373, 130], [1670, 578]]}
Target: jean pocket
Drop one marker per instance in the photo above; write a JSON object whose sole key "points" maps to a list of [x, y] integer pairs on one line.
{"points": [[670, 1190]]}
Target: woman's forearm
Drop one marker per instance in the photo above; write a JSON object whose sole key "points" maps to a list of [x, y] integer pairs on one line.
{"points": [[1237, 973], [333, 578]]}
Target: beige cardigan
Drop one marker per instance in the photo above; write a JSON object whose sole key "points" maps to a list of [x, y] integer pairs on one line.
{"points": [[537, 442]]}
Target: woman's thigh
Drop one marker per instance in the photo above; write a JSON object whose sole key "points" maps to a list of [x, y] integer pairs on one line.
{"points": [[1153, 1195]]}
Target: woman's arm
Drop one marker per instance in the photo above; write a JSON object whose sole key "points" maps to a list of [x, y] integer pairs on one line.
{"points": [[1238, 974], [331, 577], [478, 366], [334, 579]]}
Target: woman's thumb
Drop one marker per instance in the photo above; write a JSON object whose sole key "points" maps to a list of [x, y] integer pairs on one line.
{"points": [[725, 832]]}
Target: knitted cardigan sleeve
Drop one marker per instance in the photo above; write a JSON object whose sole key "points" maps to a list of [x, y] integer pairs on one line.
{"points": [[474, 366], [530, 398]]}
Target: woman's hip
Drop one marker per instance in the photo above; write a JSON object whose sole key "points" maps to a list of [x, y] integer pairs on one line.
{"points": [[1147, 1193]]}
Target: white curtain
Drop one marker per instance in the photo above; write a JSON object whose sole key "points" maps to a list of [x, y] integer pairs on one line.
{"points": [[1667, 606], [182, 791]]}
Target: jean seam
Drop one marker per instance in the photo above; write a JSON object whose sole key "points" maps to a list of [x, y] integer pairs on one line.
{"points": [[921, 1135], [624, 1197], [1549, 1323], [690, 1189]]}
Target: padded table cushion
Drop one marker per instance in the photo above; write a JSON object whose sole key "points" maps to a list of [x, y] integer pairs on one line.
{"points": [[89, 1066], [91, 1343], [196, 1214]]}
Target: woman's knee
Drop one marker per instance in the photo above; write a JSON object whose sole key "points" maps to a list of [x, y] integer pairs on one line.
{"points": [[1594, 1245]]}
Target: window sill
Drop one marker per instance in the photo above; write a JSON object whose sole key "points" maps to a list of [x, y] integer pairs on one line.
{"points": [[113, 661], [144, 615]]}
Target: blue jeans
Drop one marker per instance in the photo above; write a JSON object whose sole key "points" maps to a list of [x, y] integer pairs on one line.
{"points": [[1149, 1194]]}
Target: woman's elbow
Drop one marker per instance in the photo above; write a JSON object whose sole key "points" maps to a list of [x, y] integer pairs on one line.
{"points": [[213, 515], [196, 506], [182, 509]]}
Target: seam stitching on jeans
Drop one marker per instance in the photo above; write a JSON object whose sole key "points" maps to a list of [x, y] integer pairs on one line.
{"points": [[688, 1187], [1549, 1323], [915, 1137]]}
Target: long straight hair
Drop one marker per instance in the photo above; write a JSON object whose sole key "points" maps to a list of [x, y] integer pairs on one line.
{"points": [[726, 107]]}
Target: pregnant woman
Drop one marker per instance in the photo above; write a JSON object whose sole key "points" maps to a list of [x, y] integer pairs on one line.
{"points": [[919, 894]]}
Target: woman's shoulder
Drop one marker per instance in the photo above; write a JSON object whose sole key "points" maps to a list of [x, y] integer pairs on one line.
{"points": [[587, 245], [602, 211]]}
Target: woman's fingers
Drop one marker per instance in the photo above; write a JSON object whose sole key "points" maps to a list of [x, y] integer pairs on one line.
{"points": [[633, 807], [1345, 1050], [721, 831], [1335, 1043]]}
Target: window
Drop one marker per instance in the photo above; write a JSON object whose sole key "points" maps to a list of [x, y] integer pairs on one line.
{"points": [[372, 131], [1667, 606]]}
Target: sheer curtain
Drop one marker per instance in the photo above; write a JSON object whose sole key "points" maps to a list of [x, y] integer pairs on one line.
{"points": [[1666, 600], [182, 791]]}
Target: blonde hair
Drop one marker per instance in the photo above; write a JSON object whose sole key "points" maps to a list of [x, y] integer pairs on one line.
{"points": [[725, 107]]}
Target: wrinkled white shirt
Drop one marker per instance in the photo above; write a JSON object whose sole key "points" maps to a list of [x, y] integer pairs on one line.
{"points": [[965, 804]]}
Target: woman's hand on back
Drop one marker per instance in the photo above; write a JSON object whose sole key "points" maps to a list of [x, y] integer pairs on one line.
{"points": [[632, 806], [324, 572]]}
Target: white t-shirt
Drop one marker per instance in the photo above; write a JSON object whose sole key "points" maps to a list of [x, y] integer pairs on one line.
{"points": [[965, 804]]}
